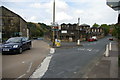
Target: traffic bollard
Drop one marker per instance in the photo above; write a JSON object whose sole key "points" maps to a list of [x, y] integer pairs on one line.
{"points": [[52, 50], [78, 42], [107, 51], [110, 46]]}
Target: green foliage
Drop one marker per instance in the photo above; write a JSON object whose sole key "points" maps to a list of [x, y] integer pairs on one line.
{"points": [[116, 31], [37, 29], [106, 28], [96, 25]]}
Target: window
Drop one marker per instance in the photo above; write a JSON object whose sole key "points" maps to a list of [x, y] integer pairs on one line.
{"points": [[24, 39], [98, 30], [95, 30]]}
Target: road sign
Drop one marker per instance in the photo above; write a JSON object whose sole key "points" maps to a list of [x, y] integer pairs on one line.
{"points": [[55, 28]]}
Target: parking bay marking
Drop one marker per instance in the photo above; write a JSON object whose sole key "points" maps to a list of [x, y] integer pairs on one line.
{"points": [[29, 67], [23, 62], [20, 76]]}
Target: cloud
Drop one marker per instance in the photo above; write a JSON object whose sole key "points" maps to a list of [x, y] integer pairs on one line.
{"points": [[67, 11], [61, 5], [95, 12], [79, 11], [47, 8], [63, 16], [19, 0], [36, 5], [33, 18]]}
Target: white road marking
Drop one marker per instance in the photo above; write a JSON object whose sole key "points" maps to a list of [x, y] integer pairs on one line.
{"points": [[81, 48], [20, 76], [42, 68], [60, 73], [75, 72], [23, 62], [97, 50], [89, 49], [29, 67]]}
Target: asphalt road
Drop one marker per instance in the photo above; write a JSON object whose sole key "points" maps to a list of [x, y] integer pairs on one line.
{"points": [[73, 62], [23, 65]]}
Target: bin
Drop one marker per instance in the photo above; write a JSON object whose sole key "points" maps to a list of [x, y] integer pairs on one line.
{"points": [[57, 43]]}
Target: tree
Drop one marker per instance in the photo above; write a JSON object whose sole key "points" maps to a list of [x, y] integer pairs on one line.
{"points": [[116, 31], [106, 28], [37, 29], [96, 25]]}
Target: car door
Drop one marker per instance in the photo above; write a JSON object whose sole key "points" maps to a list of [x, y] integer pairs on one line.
{"points": [[27, 43], [24, 44]]}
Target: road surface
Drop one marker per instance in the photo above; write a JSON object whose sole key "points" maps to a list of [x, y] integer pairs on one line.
{"points": [[73, 62]]}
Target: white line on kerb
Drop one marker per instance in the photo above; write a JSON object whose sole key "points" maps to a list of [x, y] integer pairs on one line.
{"points": [[42, 69]]}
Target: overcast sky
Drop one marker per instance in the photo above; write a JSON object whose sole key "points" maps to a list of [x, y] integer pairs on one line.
{"points": [[67, 11]]}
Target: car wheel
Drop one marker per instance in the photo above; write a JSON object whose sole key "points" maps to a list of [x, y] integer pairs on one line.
{"points": [[20, 50]]}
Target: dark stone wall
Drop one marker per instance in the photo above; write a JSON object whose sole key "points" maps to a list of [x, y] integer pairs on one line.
{"points": [[12, 24]]}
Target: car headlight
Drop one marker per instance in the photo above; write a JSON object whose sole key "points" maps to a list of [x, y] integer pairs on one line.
{"points": [[15, 46]]}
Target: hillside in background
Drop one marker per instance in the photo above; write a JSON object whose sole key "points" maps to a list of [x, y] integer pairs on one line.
{"points": [[37, 29]]}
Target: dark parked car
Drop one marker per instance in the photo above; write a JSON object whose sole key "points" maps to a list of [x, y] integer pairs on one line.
{"points": [[16, 45]]}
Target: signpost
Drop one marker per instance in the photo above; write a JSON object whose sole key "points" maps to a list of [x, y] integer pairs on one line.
{"points": [[55, 29]]}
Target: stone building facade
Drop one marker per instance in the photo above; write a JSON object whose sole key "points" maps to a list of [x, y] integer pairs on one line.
{"points": [[96, 31], [84, 32], [74, 32], [68, 32], [12, 24]]}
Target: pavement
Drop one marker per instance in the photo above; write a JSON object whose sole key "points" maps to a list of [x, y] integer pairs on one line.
{"points": [[23, 65], [106, 67]]}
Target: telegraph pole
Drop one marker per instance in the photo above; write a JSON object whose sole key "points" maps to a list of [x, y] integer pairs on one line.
{"points": [[78, 28], [54, 12], [78, 21], [53, 22]]}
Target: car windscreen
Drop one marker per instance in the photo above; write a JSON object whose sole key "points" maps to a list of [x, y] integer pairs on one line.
{"points": [[13, 40]]}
